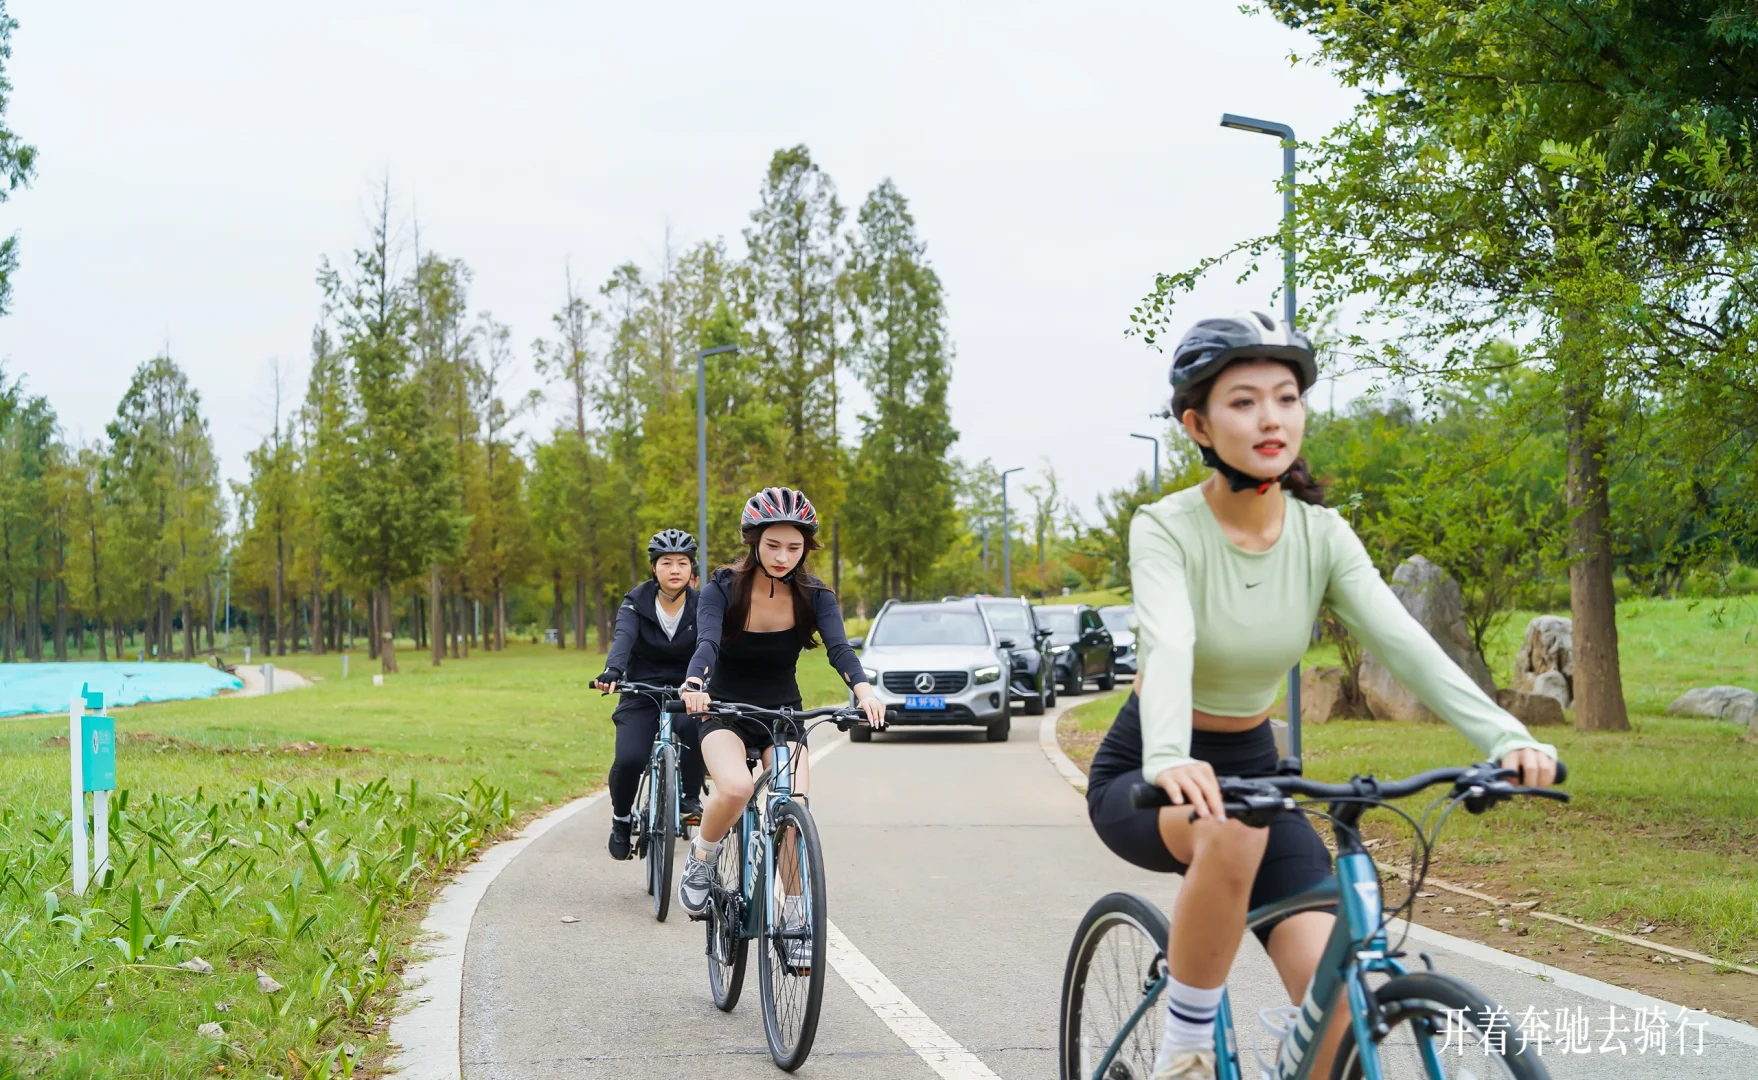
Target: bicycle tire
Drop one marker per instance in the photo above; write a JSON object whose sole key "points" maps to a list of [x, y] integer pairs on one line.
{"points": [[662, 841], [1139, 929], [638, 825], [1429, 997], [727, 945], [790, 1017]]}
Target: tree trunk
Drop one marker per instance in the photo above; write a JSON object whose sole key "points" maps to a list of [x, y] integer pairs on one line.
{"points": [[555, 611], [317, 616], [103, 653], [188, 630], [500, 616], [60, 619], [579, 612], [387, 651], [280, 610], [603, 616], [1599, 691], [436, 613], [372, 639], [262, 625], [33, 621]]}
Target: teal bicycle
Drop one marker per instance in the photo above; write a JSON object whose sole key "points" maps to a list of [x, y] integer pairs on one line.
{"points": [[1117, 966], [659, 823], [769, 888]]}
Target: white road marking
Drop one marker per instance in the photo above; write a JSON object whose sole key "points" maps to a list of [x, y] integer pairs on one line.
{"points": [[946, 1057], [907, 1021]]}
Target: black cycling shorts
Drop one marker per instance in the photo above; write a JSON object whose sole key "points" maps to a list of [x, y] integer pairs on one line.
{"points": [[757, 735], [1295, 860]]}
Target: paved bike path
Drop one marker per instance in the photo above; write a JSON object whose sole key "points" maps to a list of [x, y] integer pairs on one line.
{"points": [[959, 868]]}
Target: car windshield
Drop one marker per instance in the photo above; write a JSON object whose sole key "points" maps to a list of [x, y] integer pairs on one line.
{"points": [[1116, 619], [1007, 617], [929, 628], [1059, 622]]}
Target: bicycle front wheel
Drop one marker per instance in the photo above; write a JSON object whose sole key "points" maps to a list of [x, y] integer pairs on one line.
{"points": [[727, 944], [1441, 1029], [662, 844], [1116, 971], [790, 956]]}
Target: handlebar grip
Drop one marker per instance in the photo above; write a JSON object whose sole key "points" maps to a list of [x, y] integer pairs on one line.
{"points": [[1562, 771], [1148, 796]]}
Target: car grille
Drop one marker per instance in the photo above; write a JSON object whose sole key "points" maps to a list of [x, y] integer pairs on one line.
{"points": [[945, 682]]}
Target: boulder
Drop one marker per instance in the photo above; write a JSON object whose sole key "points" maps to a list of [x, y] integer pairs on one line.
{"points": [[1434, 599], [1549, 647], [1533, 710], [1716, 702], [1321, 694]]}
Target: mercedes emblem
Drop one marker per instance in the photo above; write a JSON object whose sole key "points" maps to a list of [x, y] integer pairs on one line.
{"points": [[924, 682]]}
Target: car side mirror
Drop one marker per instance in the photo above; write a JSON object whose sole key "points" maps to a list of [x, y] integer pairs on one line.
{"points": [[1008, 643], [857, 642]]}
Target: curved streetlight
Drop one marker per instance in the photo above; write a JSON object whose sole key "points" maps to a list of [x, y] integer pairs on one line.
{"points": [[1156, 443], [1006, 550]]}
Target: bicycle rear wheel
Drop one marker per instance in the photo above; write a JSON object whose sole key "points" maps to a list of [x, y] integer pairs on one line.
{"points": [[727, 945], [662, 833], [1116, 971], [638, 824], [1453, 1020], [790, 958]]}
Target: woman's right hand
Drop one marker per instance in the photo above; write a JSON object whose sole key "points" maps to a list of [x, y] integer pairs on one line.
{"points": [[695, 701], [1195, 784]]}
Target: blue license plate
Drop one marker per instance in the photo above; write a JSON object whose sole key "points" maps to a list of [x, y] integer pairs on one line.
{"points": [[924, 701]]}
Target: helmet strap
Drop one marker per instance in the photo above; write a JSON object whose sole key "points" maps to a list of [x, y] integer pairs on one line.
{"points": [[1237, 480], [670, 598]]}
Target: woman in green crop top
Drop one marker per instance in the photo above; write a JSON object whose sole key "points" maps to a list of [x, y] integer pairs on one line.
{"points": [[1228, 578]]}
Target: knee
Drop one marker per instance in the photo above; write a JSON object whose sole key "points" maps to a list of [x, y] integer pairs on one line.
{"points": [[1228, 850], [630, 757], [736, 788]]}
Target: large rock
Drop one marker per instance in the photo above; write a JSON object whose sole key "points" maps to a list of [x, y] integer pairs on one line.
{"points": [[1321, 694], [1434, 599], [1716, 702], [1533, 710], [1546, 661]]}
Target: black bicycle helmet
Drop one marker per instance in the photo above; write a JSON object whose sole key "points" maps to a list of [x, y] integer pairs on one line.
{"points": [[1212, 344], [670, 542], [777, 506]]}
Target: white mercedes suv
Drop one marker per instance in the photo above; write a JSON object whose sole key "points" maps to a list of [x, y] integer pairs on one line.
{"points": [[937, 664]]}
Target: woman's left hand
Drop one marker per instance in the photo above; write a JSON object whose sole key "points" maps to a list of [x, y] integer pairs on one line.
{"points": [[871, 705], [1536, 768]]}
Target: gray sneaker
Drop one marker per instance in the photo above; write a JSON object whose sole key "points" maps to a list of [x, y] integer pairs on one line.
{"points": [[693, 889]]}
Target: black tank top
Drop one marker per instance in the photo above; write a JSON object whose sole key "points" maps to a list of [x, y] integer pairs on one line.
{"points": [[758, 669]]}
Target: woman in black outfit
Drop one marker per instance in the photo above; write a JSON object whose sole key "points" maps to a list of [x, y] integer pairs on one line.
{"points": [[754, 619], [655, 635]]}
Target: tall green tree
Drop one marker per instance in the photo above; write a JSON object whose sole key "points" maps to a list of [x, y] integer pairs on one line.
{"points": [[18, 159], [900, 495]]}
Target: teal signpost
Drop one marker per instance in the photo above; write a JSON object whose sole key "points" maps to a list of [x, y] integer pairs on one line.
{"points": [[91, 744]]}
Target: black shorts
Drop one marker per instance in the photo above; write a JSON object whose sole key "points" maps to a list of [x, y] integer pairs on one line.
{"points": [[757, 735], [1295, 860]]}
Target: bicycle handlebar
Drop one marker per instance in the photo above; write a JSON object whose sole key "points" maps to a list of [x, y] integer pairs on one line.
{"points": [[649, 688], [844, 716], [1255, 799]]}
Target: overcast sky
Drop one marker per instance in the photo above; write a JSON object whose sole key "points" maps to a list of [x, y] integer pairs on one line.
{"points": [[198, 159]]}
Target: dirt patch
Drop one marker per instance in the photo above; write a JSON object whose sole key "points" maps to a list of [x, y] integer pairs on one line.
{"points": [[1080, 746], [312, 749], [1730, 994]]}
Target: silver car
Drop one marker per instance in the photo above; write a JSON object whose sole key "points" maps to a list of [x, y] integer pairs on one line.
{"points": [[1117, 618], [937, 664]]}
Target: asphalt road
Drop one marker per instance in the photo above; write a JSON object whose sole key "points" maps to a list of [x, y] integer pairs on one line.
{"points": [[957, 868]]}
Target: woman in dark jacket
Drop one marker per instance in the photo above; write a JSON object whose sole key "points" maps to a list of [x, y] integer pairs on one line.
{"points": [[756, 617], [655, 637]]}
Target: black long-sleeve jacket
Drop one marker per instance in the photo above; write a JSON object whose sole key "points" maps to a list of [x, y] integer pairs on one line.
{"points": [[717, 597], [640, 651]]}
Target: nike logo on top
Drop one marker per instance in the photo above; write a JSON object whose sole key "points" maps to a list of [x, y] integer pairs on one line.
{"points": [[1253, 584]]}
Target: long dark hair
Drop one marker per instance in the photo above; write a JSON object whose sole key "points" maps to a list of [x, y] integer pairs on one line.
{"points": [[748, 570], [1298, 481]]}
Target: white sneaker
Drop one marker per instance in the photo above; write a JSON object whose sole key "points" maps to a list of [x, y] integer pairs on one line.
{"points": [[1187, 1065]]}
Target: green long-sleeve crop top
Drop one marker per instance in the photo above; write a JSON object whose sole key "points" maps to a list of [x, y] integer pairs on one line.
{"points": [[1220, 626]]}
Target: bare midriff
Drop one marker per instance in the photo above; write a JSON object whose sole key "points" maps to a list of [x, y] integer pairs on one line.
{"points": [[1203, 721]]}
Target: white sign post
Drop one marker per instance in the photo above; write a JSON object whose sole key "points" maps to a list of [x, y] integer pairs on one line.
{"points": [[91, 746]]}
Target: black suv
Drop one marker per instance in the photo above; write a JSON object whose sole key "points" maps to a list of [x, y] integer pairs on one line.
{"points": [[1016, 625], [1080, 646]]}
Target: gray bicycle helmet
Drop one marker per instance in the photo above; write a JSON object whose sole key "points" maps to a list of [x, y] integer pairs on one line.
{"points": [[1212, 344], [777, 506], [670, 542]]}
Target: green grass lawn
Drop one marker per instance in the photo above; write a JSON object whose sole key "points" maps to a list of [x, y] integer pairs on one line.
{"points": [[1098, 598], [1664, 824], [301, 834]]}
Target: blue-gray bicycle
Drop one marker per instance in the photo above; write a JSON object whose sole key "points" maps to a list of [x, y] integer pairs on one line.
{"points": [[658, 806], [769, 888], [1400, 1030]]}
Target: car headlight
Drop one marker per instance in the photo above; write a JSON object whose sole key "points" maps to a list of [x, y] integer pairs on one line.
{"points": [[872, 676], [1058, 650], [986, 674]]}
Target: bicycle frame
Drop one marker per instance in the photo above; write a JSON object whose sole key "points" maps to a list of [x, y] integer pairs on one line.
{"points": [[660, 742], [1357, 946], [773, 787]]}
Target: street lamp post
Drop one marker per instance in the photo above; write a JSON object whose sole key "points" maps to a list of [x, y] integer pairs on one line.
{"points": [[1006, 552], [1156, 443], [702, 452], [1286, 135]]}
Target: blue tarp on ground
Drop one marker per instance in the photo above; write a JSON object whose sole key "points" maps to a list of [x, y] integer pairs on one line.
{"points": [[47, 688]]}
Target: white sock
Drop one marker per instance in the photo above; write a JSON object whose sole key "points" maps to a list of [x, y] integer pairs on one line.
{"points": [[1190, 1018], [707, 852]]}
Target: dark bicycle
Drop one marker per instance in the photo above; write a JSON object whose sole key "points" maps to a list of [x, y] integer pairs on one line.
{"points": [[658, 801], [769, 887], [1117, 965]]}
